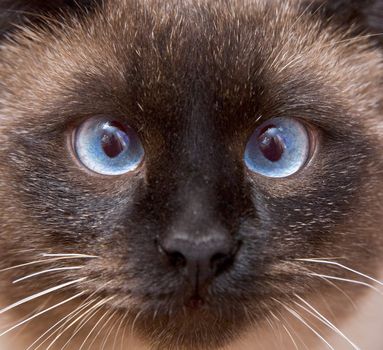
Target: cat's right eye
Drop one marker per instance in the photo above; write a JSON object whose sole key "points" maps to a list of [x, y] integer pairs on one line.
{"points": [[278, 148], [107, 146]]}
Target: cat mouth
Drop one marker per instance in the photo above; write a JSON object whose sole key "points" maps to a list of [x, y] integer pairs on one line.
{"points": [[195, 302], [182, 315]]}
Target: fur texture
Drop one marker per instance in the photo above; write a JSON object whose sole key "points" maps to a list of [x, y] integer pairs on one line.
{"points": [[195, 78]]}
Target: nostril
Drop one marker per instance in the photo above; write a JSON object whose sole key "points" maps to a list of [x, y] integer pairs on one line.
{"points": [[173, 256], [176, 259], [220, 262]]}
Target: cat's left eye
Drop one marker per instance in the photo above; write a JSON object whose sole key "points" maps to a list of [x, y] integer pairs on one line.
{"points": [[107, 146]]}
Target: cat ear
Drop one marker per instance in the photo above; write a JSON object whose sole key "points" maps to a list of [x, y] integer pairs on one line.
{"points": [[366, 16], [18, 12]]}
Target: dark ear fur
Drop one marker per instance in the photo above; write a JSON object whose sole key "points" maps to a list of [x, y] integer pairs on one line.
{"points": [[16, 12], [365, 15]]}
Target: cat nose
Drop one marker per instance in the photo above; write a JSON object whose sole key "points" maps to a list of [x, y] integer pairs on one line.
{"points": [[199, 261]]}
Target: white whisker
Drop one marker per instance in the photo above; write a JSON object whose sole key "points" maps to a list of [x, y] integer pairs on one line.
{"points": [[95, 307], [347, 280], [118, 330], [295, 333], [108, 335], [334, 263], [64, 320], [327, 258], [93, 311], [41, 313], [135, 320], [38, 262], [340, 290], [73, 314], [279, 323], [71, 256], [301, 319], [37, 295], [291, 337], [324, 320], [58, 269], [102, 328], [123, 334], [93, 329]]}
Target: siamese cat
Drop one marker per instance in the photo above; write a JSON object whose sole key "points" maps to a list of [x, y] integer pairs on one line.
{"points": [[191, 174]]}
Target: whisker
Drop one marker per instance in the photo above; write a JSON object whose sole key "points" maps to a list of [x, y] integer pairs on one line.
{"points": [[93, 311], [123, 334], [295, 333], [327, 258], [334, 263], [47, 271], [72, 255], [39, 262], [342, 291], [93, 329], [88, 301], [275, 338], [109, 333], [41, 313], [102, 328], [324, 320], [306, 270], [271, 325], [301, 319], [65, 319], [123, 317], [279, 323], [135, 320], [290, 336], [348, 280], [37, 295]]}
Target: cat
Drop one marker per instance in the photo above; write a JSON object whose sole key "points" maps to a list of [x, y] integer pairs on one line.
{"points": [[191, 174]]}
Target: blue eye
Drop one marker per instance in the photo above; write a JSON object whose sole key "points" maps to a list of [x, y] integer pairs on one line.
{"points": [[278, 148], [108, 146]]}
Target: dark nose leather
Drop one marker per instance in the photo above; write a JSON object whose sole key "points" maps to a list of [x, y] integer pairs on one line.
{"points": [[200, 261]]}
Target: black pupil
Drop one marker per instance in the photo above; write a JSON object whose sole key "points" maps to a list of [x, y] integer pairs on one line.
{"points": [[270, 144], [114, 139]]}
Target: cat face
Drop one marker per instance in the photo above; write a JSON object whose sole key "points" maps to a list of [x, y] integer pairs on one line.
{"points": [[185, 232]]}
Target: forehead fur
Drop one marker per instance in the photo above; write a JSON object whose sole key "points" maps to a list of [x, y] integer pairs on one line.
{"points": [[246, 44]]}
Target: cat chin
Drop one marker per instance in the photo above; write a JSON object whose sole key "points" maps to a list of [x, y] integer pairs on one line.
{"points": [[190, 333], [187, 329]]}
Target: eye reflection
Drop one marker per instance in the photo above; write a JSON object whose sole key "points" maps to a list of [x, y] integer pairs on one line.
{"points": [[271, 143], [115, 139]]}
